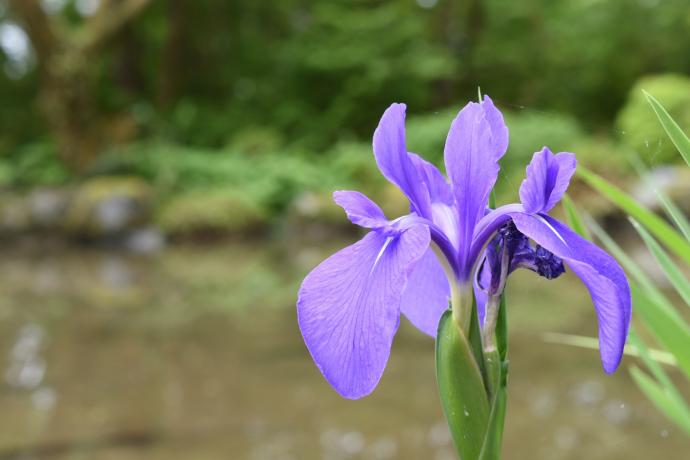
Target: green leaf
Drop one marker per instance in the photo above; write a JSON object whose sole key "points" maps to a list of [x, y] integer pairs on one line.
{"points": [[494, 437], [673, 273], [671, 332], [656, 225], [502, 329], [461, 389], [677, 136], [675, 214], [592, 343], [476, 344], [660, 398], [574, 218], [671, 209], [662, 378], [497, 375], [655, 367]]}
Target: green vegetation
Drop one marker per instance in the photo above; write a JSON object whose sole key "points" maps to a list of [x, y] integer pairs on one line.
{"points": [[259, 102], [656, 315], [641, 132]]}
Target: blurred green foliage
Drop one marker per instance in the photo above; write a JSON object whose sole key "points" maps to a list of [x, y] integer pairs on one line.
{"points": [[316, 71], [32, 164], [643, 133], [268, 99]]}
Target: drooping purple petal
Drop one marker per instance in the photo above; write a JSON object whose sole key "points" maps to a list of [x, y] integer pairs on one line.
{"points": [[604, 278], [395, 163], [348, 307], [427, 294], [477, 139], [360, 209], [547, 179]]}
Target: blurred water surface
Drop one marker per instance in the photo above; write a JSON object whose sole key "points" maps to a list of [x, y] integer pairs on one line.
{"points": [[195, 353]]}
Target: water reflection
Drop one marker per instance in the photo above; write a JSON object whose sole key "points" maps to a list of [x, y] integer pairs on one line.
{"points": [[194, 353], [27, 367]]}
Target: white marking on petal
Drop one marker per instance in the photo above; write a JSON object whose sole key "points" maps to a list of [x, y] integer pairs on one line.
{"points": [[445, 217], [380, 254], [545, 222]]}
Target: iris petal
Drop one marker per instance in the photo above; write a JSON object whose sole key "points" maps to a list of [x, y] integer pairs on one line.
{"points": [[395, 163], [477, 139], [604, 278], [437, 186], [443, 212], [548, 176], [348, 307], [427, 294], [360, 209]]}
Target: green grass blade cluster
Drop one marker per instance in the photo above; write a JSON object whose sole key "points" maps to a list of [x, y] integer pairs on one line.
{"points": [[673, 273], [653, 310], [655, 224]]}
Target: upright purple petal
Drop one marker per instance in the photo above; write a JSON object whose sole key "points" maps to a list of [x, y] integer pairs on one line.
{"points": [[499, 130], [477, 139], [604, 278], [360, 209], [395, 163], [443, 212], [437, 186], [427, 294], [348, 307], [548, 176]]}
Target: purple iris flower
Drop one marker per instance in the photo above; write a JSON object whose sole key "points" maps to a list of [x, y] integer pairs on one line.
{"points": [[349, 306]]}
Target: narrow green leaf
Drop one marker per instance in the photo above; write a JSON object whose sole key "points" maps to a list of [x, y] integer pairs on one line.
{"points": [[657, 371], [656, 225], [677, 136], [674, 213], [672, 333], [592, 343], [660, 375], [574, 217], [475, 341], [673, 273], [671, 209], [461, 389], [497, 374], [492, 445], [502, 329], [660, 398]]}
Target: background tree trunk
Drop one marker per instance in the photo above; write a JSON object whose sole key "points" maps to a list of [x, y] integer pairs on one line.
{"points": [[67, 95]]}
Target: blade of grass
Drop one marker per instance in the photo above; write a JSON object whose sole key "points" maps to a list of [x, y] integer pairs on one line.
{"points": [[671, 209], [672, 334], [657, 371], [592, 343], [674, 213], [656, 225], [660, 398], [673, 273], [574, 218], [677, 136]]}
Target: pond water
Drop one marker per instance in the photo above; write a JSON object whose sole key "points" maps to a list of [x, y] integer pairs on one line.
{"points": [[194, 353]]}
